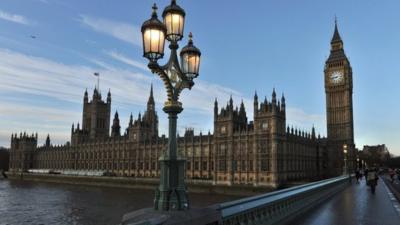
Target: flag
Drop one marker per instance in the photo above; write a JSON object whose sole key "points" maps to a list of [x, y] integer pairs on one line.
{"points": [[96, 74]]}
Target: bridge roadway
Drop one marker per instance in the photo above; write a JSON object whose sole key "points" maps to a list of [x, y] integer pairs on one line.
{"points": [[356, 205]]}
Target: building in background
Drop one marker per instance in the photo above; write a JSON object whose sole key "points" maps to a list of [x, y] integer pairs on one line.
{"points": [[262, 152], [375, 155]]}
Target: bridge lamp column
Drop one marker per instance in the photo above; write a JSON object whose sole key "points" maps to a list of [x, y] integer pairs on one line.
{"points": [[358, 163], [171, 194], [345, 159]]}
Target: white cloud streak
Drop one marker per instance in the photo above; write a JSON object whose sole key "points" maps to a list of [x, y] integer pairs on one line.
{"points": [[27, 75], [117, 56], [15, 18], [120, 30]]}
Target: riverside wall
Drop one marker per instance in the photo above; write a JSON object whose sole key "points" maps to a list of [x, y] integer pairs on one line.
{"points": [[194, 186]]}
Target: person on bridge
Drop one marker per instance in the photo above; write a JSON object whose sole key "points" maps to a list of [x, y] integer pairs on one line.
{"points": [[358, 175], [366, 175], [397, 170], [372, 179], [391, 174]]}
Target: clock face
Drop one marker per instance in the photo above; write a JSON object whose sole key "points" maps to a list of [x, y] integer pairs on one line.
{"points": [[336, 77]]}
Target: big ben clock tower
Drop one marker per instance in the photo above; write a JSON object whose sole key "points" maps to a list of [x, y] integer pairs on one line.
{"points": [[339, 107]]}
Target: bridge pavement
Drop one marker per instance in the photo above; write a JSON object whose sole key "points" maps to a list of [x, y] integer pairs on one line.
{"points": [[356, 206]]}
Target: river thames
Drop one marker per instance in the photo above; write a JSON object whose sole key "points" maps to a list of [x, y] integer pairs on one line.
{"points": [[34, 203]]}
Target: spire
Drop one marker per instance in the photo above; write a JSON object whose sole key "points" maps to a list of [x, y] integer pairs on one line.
{"points": [[151, 98], [85, 96], [283, 103], [48, 140], [116, 128], [95, 93], [255, 103], [231, 102], [273, 96], [242, 110], [215, 108], [116, 115], [336, 36], [131, 120], [313, 132]]}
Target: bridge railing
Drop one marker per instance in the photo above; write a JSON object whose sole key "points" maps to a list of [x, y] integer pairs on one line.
{"points": [[279, 207]]}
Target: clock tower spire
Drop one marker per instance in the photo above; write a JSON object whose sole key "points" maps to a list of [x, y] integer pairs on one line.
{"points": [[339, 104]]}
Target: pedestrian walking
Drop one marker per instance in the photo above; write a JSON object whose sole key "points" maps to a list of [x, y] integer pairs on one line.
{"points": [[358, 175], [366, 175], [372, 179]]}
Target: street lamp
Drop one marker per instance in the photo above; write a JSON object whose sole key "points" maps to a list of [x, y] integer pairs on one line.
{"points": [[171, 193], [345, 159]]}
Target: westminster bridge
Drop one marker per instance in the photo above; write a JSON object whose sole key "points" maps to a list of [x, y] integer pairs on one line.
{"points": [[335, 201]]}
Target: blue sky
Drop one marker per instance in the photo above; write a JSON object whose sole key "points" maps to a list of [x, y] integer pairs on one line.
{"points": [[246, 46]]}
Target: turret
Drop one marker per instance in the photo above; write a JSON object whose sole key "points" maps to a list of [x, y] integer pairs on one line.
{"points": [[109, 96], [96, 95], [231, 103], [255, 104], [215, 109], [313, 133], [116, 128], [283, 103], [85, 97], [150, 102], [273, 97], [48, 141], [131, 120]]}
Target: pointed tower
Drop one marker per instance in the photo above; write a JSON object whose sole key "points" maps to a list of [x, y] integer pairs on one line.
{"points": [[116, 128], [48, 143], [255, 104], [339, 102], [215, 109], [96, 116], [150, 117], [150, 102]]}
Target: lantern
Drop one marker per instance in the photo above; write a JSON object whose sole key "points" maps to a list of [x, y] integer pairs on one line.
{"points": [[174, 20], [190, 59], [153, 34]]}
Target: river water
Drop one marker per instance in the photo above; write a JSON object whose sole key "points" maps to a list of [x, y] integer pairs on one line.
{"points": [[24, 202]]}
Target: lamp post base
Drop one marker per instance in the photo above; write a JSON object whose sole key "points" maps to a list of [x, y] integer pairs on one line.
{"points": [[148, 216], [172, 193]]}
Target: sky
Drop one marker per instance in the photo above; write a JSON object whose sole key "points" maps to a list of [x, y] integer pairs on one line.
{"points": [[49, 50]]}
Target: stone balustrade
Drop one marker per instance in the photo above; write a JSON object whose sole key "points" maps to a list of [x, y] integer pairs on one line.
{"points": [[279, 207]]}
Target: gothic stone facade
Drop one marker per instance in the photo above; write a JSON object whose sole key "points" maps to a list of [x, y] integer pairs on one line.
{"points": [[262, 152]]}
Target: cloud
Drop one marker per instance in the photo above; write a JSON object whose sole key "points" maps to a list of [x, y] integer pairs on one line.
{"points": [[15, 18], [126, 60], [53, 84], [120, 30]]}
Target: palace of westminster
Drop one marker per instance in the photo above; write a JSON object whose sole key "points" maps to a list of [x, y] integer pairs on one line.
{"points": [[262, 152]]}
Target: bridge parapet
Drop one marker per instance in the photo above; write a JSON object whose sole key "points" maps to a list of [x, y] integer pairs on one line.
{"points": [[278, 207]]}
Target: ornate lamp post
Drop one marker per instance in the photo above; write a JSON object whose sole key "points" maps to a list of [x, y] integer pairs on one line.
{"points": [[345, 159], [171, 193]]}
